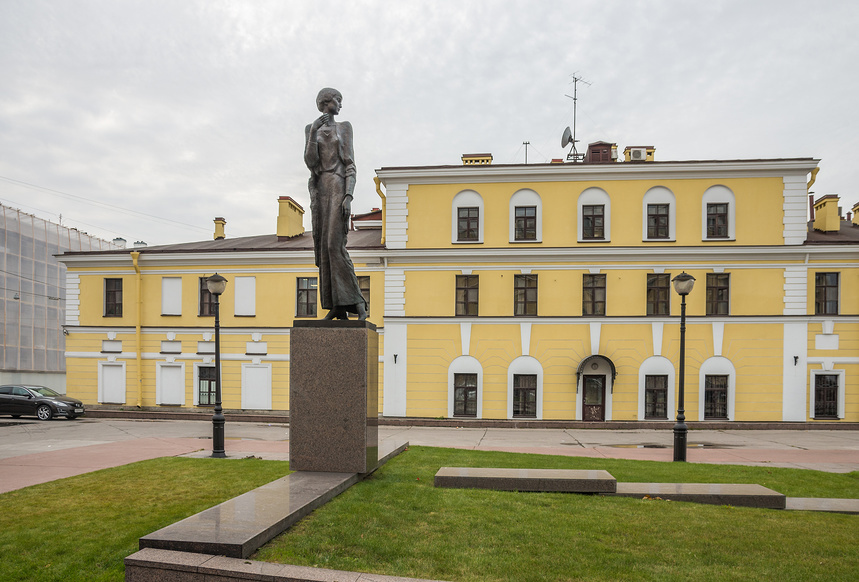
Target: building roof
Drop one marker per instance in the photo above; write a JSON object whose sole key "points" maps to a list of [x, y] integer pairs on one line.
{"points": [[357, 239], [848, 234]]}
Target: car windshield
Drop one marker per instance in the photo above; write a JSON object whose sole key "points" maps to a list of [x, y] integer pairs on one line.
{"points": [[43, 391]]}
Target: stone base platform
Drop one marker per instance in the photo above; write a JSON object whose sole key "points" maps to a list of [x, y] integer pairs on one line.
{"points": [[238, 527], [149, 565], [573, 481], [709, 493], [823, 504], [533, 480]]}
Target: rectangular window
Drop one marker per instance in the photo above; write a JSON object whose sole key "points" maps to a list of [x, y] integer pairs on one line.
{"points": [[467, 290], [593, 295], [465, 395], [525, 295], [715, 397], [826, 293], [526, 223], [364, 285], [657, 221], [593, 222], [524, 396], [113, 297], [305, 301], [656, 397], [826, 396], [207, 300], [206, 379], [659, 294], [244, 291], [171, 296], [468, 228], [718, 293], [717, 220]]}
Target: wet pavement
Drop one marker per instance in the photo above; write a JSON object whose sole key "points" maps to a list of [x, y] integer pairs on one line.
{"points": [[34, 452]]}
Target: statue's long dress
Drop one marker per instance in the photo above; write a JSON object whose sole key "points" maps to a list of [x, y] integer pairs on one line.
{"points": [[338, 285]]}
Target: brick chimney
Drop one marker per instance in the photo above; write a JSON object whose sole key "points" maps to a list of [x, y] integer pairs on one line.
{"points": [[826, 217], [476, 159], [290, 218], [220, 223]]}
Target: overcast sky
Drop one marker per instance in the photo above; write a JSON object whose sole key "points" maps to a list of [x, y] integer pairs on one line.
{"points": [[146, 119]]}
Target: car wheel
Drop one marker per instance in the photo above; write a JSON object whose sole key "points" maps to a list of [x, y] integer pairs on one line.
{"points": [[44, 412]]}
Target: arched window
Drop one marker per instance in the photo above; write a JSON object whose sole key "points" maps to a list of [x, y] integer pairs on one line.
{"points": [[659, 215], [525, 388], [656, 389], [594, 216], [467, 218], [526, 217], [465, 388], [718, 214], [717, 382]]}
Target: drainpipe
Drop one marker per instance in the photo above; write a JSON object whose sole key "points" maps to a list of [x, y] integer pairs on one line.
{"points": [[384, 201], [135, 255]]}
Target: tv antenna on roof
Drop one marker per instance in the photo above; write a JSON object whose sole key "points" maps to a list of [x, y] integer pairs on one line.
{"points": [[569, 137]]}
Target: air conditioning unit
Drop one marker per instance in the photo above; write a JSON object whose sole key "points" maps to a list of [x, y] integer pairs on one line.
{"points": [[638, 154]]}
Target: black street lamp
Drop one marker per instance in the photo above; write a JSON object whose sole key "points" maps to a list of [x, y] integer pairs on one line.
{"points": [[683, 284], [216, 285]]}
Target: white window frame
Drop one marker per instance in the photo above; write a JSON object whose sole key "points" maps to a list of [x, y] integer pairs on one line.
{"points": [[525, 197], [842, 392], [101, 367], [464, 365], [590, 197], [656, 366], [466, 199], [717, 366], [525, 365], [660, 195], [171, 295], [159, 382], [719, 195], [267, 396]]}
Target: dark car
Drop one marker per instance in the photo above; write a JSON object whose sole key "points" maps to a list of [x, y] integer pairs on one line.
{"points": [[25, 400]]}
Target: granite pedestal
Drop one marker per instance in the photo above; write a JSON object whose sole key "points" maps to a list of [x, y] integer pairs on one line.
{"points": [[334, 396]]}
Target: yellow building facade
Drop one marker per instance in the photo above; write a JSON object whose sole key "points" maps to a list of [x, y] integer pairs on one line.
{"points": [[536, 291]]}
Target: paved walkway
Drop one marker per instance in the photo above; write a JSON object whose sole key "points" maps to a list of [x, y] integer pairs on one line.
{"points": [[34, 452]]}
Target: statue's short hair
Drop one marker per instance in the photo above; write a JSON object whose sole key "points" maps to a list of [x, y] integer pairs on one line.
{"points": [[326, 95]]}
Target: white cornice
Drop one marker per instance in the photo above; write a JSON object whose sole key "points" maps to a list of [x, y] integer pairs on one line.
{"points": [[536, 255], [590, 172], [297, 257]]}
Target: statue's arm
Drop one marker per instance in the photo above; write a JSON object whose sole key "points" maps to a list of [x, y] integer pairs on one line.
{"points": [[311, 150], [348, 154]]}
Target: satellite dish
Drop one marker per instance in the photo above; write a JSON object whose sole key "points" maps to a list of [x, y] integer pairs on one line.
{"points": [[567, 138]]}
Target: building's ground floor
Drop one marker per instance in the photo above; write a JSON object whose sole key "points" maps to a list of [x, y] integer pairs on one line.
{"points": [[767, 369]]}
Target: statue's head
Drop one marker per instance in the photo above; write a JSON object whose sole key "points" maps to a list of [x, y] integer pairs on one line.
{"points": [[326, 95]]}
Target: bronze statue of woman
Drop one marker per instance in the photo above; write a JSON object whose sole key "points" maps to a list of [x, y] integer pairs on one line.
{"points": [[329, 155]]}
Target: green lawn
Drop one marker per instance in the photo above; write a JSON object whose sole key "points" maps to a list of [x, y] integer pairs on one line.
{"points": [[397, 523], [83, 527]]}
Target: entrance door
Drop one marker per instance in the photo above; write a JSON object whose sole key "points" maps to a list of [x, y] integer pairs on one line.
{"points": [[593, 402]]}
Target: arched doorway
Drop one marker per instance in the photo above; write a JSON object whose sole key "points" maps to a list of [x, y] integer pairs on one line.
{"points": [[595, 377]]}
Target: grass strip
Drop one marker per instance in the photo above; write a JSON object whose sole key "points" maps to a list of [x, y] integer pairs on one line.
{"points": [[397, 523], [83, 527]]}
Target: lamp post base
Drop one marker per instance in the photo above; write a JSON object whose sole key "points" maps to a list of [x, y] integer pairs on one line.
{"points": [[218, 436], [680, 436]]}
